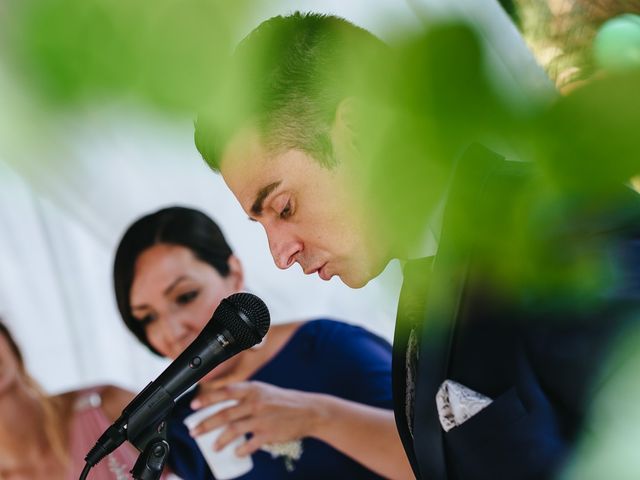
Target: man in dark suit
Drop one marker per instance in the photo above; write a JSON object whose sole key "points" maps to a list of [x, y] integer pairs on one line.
{"points": [[500, 335], [537, 350]]}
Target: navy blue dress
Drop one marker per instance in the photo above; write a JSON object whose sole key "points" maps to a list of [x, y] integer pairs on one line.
{"points": [[322, 356]]}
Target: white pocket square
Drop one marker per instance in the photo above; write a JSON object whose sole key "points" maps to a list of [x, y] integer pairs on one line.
{"points": [[457, 404]]}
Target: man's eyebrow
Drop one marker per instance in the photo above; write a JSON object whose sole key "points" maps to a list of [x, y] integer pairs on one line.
{"points": [[263, 193]]}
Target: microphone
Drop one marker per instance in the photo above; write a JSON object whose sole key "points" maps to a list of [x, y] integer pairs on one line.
{"points": [[239, 322]]}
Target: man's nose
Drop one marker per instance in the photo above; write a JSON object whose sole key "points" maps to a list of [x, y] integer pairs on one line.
{"points": [[283, 249]]}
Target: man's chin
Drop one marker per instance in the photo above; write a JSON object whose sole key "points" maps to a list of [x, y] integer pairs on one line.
{"points": [[360, 279], [354, 281]]}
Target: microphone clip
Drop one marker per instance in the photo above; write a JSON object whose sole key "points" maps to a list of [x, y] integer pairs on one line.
{"points": [[154, 448]]}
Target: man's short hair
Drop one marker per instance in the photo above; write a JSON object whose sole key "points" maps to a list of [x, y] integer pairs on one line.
{"points": [[288, 77]]}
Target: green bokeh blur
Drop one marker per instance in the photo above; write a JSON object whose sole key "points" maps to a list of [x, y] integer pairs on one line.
{"points": [[167, 53], [431, 97], [421, 106]]}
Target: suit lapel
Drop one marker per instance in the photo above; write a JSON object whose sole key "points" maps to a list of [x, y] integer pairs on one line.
{"points": [[409, 320], [443, 302]]}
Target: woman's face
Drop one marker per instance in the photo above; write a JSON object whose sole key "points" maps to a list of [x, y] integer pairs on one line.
{"points": [[9, 366], [174, 294]]}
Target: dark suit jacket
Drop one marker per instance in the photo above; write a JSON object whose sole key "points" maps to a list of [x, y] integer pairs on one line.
{"points": [[505, 309]]}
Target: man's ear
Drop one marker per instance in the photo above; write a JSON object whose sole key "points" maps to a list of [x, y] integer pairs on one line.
{"points": [[236, 274], [344, 127]]}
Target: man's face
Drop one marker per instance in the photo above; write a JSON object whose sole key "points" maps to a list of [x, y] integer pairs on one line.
{"points": [[312, 214]]}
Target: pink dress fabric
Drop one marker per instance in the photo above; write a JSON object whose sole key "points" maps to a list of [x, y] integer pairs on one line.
{"points": [[88, 423]]}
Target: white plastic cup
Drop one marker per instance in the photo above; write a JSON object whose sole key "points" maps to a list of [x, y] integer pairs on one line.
{"points": [[224, 464]]}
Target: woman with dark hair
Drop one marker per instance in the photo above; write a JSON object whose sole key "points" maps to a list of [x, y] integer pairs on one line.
{"points": [[172, 268], [47, 436]]}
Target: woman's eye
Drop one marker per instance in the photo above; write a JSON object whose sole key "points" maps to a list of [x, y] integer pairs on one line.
{"points": [[286, 211], [187, 297]]}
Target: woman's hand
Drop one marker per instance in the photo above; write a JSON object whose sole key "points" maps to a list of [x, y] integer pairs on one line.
{"points": [[271, 414], [277, 415]]}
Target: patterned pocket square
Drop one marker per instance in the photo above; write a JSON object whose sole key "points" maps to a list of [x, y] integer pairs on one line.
{"points": [[457, 404]]}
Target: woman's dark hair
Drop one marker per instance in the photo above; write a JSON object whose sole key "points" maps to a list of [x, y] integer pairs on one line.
{"points": [[4, 331], [181, 226]]}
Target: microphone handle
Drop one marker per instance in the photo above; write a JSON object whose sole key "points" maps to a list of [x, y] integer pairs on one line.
{"points": [[207, 351], [155, 402]]}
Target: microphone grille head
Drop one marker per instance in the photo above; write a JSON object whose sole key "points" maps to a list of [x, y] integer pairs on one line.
{"points": [[246, 317]]}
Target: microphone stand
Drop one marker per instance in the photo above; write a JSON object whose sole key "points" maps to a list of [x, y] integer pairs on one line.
{"points": [[154, 450]]}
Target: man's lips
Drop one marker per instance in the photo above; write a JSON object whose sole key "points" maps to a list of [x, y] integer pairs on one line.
{"points": [[319, 270], [322, 273]]}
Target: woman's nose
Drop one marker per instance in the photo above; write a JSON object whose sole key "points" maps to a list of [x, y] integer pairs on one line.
{"points": [[176, 332]]}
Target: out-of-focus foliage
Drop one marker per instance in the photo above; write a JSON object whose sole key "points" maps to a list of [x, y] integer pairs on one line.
{"points": [[589, 139], [437, 99], [617, 44], [562, 35], [419, 112], [608, 447], [420, 107], [167, 52]]}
